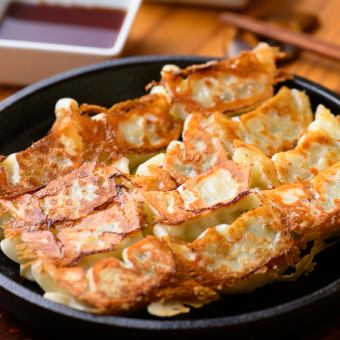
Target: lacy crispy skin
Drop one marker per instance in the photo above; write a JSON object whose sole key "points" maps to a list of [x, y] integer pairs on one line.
{"points": [[110, 213], [248, 139], [132, 130], [229, 86]]}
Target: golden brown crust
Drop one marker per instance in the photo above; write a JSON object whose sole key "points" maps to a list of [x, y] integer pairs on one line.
{"points": [[72, 140], [113, 286], [67, 242], [234, 85], [67, 198], [198, 152], [216, 259], [316, 150], [290, 108], [91, 109], [310, 207], [189, 224], [253, 249], [159, 179], [75, 138], [151, 113]]}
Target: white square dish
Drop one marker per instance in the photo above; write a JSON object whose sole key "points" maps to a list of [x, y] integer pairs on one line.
{"points": [[24, 62]]}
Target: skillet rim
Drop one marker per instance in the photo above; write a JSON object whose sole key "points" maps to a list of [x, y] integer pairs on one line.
{"points": [[19, 291]]}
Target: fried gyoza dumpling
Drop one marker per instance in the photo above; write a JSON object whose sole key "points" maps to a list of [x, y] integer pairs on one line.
{"points": [[190, 223], [92, 210], [316, 150], [257, 247], [72, 140], [142, 126], [277, 124], [60, 151], [137, 128], [310, 207], [106, 229], [67, 198], [110, 285], [234, 245], [220, 185], [209, 140], [151, 175], [230, 86], [184, 161]]}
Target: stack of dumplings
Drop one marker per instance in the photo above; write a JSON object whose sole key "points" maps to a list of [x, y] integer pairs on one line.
{"points": [[210, 184]]}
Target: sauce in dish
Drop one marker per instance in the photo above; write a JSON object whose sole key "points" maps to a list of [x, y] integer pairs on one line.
{"points": [[56, 24]]}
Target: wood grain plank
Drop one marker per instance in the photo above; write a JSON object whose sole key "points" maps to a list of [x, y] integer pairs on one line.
{"points": [[216, 43], [147, 20], [181, 31], [317, 68]]}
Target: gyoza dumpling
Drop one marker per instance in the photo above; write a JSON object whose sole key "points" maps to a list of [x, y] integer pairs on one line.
{"points": [[133, 130], [317, 149], [230, 86], [277, 124]]}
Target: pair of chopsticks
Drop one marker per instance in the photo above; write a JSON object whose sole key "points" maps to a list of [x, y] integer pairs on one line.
{"points": [[301, 40]]}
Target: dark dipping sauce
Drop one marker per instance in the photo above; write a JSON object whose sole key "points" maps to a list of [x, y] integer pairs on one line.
{"points": [[57, 24]]}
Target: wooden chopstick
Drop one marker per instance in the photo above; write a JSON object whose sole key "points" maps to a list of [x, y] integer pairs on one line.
{"points": [[301, 40]]}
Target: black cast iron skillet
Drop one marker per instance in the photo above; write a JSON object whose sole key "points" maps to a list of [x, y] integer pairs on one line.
{"points": [[275, 310]]}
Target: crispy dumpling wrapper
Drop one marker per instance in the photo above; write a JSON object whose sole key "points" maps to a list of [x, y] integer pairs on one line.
{"points": [[252, 239], [310, 207], [67, 198], [248, 140], [198, 152], [230, 86], [317, 149], [91, 210], [136, 128], [60, 151], [277, 124], [152, 175], [111, 285], [143, 125], [111, 212]]}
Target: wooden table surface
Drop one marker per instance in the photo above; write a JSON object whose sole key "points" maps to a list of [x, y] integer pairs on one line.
{"points": [[170, 29]]}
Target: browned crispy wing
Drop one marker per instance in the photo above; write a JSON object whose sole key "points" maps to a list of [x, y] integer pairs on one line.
{"points": [[230, 86]]}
